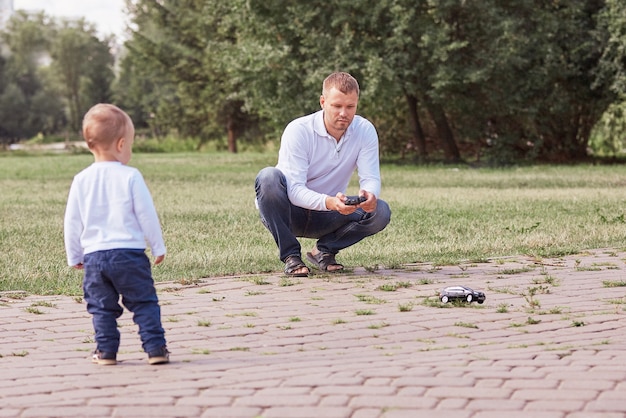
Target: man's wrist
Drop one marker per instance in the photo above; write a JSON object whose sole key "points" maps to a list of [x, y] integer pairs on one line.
{"points": [[329, 203]]}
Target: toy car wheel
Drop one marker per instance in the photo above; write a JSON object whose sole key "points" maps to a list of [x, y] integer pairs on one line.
{"points": [[469, 298], [444, 299], [480, 301]]}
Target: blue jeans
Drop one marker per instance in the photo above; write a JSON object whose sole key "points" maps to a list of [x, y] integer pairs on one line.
{"points": [[333, 231], [126, 272]]}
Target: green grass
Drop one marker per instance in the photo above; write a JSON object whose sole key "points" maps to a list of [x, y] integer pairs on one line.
{"points": [[441, 214]]}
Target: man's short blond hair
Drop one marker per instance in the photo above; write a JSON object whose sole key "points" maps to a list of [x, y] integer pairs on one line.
{"points": [[343, 82], [104, 124]]}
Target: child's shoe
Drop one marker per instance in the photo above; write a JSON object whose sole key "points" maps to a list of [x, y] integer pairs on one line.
{"points": [[105, 359], [159, 356]]}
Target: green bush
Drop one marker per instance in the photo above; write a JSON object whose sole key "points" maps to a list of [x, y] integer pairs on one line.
{"points": [[608, 138], [167, 144]]}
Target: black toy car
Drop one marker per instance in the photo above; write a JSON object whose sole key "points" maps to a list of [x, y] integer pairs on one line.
{"points": [[461, 293]]}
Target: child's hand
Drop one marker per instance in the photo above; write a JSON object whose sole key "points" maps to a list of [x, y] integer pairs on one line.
{"points": [[159, 259], [78, 266]]}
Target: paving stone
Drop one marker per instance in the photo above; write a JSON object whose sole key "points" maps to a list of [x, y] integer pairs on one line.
{"points": [[243, 349], [69, 412]]}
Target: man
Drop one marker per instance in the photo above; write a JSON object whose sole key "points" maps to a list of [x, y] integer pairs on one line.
{"points": [[304, 195]]}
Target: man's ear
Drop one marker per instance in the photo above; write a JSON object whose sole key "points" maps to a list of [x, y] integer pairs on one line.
{"points": [[322, 101]]}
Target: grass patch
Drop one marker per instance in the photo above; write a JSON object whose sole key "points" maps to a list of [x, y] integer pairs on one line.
{"points": [[364, 312], [188, 282], [405, 307], [547, 279], [392, 287], [44, 304], [515, 271], [614, 283], [259, 281], [33, 310], [617, 301], [285, 282], [466, 325], [589, 268], [436, 303], [465, 214], [378, 326], [370, 299]]}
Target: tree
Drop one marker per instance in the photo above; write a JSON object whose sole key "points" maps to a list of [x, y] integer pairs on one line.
{"points": [[514, 80], [183, 46], [48, 61], [609, 137], [23, 112], [83, 65], [515, 77], [524, 79]]}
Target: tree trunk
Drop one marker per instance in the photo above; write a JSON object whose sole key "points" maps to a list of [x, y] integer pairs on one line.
{"points": [[418, 132], [444, 132], [232, 135]]}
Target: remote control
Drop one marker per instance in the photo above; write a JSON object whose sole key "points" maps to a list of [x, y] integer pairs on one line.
{"points": [[354, 200]]}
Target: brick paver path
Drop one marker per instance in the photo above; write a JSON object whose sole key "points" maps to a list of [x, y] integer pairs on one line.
{"points": [[549, 341]]}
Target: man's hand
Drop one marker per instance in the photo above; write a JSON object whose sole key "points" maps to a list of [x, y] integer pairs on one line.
{"points": [[336, 203], [78, 266], [369, 205]]}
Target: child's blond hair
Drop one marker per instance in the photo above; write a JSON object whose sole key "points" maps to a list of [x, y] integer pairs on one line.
{"points": [[104, 124]]}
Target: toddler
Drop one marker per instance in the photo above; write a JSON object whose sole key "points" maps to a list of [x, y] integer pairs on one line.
{"points": [[109, 218]]}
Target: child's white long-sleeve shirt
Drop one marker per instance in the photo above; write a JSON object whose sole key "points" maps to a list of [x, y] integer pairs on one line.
{"points": [[110, 207]]}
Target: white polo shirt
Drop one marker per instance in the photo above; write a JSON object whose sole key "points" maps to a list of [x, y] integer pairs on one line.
{"points": [[316, 165]]}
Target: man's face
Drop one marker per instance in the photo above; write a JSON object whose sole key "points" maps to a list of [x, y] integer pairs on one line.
{"points": [[339, 110]]}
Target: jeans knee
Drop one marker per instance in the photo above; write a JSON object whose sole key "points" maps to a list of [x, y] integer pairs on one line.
{"points": [[270, 183], [383, 215], [268, 176]]}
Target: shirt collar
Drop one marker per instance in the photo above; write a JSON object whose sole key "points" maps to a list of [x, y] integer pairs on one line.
{"points": [[320, 129], [318, 124]]}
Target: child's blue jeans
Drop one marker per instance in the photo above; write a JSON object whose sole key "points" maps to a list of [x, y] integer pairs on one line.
{"points": [[125, 272]]}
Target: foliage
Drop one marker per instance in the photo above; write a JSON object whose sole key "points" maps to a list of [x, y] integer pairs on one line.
{"points": [[52, 71], [83, 67], [608, 139], [166, 144], [514, 78], [183, 47], [495, 81], [609, 135], [28, 104], [612, 69]]}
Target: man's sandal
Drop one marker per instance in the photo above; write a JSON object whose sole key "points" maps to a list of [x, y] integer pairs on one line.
{"points": [[324, 260], [293, 263]]}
